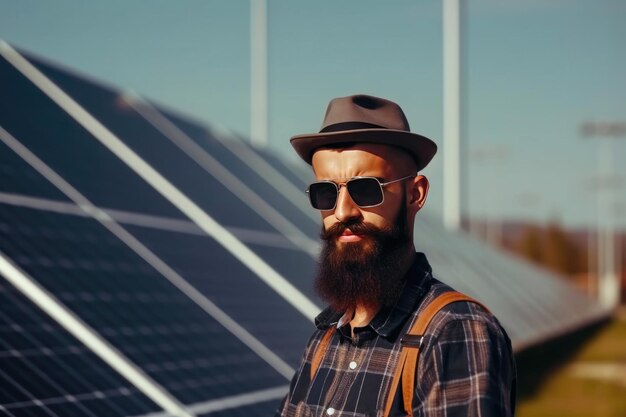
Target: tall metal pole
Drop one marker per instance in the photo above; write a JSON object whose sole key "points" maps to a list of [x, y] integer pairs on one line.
{"points": [[451, 114], [592, 263], [607, 291], [600, 241], [258, 73], [609, 285]]}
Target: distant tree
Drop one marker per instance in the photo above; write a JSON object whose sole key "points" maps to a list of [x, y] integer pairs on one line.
{"points": [[530, 245], [551, 248], [559, 253]]}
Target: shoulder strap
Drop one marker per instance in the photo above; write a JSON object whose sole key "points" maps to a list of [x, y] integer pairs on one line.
{"points": [[411, 343], [320, 351]]}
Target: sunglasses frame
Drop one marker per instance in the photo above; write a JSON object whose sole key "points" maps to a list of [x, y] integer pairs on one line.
{"points": [[338, 186]]}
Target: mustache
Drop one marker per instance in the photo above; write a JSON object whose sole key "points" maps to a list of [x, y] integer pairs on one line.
{"points": [[358, 228]]}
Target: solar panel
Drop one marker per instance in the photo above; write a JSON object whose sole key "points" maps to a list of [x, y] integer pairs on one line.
{"points": [[20, 178], [219, 193], [248, 300], [125, 300], [73, 153], [100, 165], [188, 251], [532, 304], [239, 159], [46, 371], [115, 291]]}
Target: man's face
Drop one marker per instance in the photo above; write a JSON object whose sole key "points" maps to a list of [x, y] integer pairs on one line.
{"points": [[366, 248], [364, 160]]}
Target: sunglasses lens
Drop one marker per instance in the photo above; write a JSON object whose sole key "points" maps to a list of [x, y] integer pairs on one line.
{"points": [[323, 195], [365, 191]]}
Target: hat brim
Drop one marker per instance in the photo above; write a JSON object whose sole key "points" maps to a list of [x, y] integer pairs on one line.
{"points": [[420, 147]]}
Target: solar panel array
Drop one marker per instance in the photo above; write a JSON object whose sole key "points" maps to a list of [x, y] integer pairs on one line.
{"points": [[153, 266], [45, 371]]}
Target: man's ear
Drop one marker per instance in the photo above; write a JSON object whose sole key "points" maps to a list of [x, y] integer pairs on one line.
{"points": [[418, 193]]}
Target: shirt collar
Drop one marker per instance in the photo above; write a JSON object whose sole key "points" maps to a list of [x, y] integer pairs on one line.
{"points": [[389, 319]]}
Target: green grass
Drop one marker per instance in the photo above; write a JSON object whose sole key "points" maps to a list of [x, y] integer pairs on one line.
{"points": [[566, 394]]}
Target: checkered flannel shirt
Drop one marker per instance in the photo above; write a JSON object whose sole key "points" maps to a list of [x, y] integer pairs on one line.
{"points": [[466, 366]]}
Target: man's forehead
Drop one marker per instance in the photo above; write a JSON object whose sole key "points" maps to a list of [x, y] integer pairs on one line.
{"points": [[367, 152]]}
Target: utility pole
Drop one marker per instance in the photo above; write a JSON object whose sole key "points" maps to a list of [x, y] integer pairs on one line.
{"points": [[609, 285], [258, 73], [452, 114]]}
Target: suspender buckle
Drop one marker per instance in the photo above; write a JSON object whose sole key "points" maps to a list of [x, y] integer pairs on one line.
{"points": [[412, 340]]}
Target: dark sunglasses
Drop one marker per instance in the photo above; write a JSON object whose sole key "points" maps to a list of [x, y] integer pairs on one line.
{"points": [[364, 191]]}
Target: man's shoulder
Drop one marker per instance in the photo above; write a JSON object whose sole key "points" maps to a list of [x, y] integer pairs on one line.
{"points": [[457, 313]]}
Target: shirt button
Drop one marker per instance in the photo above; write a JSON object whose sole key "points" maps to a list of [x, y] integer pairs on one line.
{"points": [[352, 365], [330, 411]]}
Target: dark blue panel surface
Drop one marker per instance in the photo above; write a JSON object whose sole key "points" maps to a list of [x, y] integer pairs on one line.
{"points": [[16, 176], [160, 152], [132, 306], [56, 138], [299, 267], [254, 180], [44, 369], [234, 288], [293, 171]]}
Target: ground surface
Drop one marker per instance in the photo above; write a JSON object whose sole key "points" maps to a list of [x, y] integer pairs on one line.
{"points": [[592, 384]]}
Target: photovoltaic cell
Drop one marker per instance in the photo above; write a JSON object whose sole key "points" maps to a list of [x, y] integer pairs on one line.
{"points": [[289, 207], [297, 172], [71, 151], [19, 177], [230, 284], [45, 371], [131, 305], [298, 266], [532, 304], [160, 152]]}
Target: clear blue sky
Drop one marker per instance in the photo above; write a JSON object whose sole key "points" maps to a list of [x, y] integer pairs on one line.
{"points": [[535, 70]]}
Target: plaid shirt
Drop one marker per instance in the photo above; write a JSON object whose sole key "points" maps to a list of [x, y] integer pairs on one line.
{"points": [[465, 368]]}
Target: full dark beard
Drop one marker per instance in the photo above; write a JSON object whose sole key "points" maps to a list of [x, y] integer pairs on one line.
{"points": [[367, 273]]}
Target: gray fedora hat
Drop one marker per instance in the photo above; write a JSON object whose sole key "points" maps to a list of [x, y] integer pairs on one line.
{"points": [[362, 118]]}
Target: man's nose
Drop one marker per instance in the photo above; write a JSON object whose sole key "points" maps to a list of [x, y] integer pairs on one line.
{"points": [[346, 209]]}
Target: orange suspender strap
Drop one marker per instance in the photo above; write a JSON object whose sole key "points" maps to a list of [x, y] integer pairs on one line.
{"points": [[321, 350], [411, 343]]}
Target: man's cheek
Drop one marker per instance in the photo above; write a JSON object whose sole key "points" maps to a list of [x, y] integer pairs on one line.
{"points": [[327, 224]]}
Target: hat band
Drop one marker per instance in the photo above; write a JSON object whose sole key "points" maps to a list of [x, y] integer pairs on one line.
{"points": [[338, 127]]}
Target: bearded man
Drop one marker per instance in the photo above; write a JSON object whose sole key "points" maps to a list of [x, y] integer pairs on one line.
{"points": [[385, 306]]}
